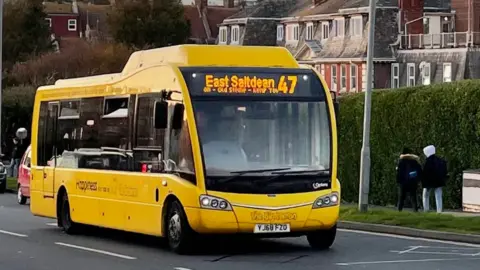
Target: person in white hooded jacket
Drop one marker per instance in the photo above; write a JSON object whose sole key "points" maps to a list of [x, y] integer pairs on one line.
{"points": [[433, 178]]}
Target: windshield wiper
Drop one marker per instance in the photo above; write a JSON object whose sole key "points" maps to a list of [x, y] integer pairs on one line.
{"points": [[315, 172], [240, 173], [297, 172]]}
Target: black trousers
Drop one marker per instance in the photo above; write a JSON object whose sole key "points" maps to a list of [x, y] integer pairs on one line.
{"points": [[405, 190]]}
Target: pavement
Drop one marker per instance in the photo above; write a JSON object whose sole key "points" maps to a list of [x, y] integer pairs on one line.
{"points": [[34, 243]]}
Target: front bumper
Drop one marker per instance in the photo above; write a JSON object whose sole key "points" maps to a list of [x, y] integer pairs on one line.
{"points": [[243, 220]]}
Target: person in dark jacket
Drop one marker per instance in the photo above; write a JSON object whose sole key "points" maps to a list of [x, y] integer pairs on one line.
{"points": [[434, 178], [409, 172]]}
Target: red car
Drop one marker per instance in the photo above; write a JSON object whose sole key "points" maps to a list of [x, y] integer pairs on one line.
{"points": [[23, 181]]}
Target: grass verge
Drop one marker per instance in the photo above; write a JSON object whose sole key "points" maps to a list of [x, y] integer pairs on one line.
{"points": [[12, 183], [426, 221]]}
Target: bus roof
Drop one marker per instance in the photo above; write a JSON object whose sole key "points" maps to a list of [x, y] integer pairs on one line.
{"points": [[192, 55]]}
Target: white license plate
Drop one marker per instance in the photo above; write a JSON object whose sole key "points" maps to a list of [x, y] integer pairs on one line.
{"points": [[272, 228]]}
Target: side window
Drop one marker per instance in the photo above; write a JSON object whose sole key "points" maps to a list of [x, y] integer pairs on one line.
{"points": [[147, 135], [68, 126], [98, 137], [148, 141], [114, 123], [181, 150], [42, 131]]}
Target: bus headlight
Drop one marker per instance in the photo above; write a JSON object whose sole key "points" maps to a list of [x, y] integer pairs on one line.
{"points": [[326, 200], [210, 202]]}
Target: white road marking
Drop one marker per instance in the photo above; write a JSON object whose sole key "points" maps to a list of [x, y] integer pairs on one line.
{"points": [[412, 238], [405, 261], [52, 224], [181, 268], [408, 250], [96, 250], [456, 248], [13, 234]]}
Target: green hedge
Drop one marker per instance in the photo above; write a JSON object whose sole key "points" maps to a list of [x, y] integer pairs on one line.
{"points": [[445, 115]]}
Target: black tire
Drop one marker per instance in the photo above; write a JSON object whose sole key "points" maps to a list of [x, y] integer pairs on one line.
{"points": [[322, 239], [67, 223], [180, 236], [3, 186], [20, 198]]}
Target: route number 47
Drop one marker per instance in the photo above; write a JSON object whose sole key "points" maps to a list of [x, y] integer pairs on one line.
{"points": [[287, 85]]}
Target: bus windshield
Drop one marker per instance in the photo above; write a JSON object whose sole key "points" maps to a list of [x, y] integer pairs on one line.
{"points": [[243, 136], [261, 130]]}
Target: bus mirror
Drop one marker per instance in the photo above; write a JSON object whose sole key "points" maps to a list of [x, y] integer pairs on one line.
{"points": [[177, 119], [161, 114]]}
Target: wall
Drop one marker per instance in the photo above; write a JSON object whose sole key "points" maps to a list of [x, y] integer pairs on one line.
{"points": [[382, 76], [411, 10], [461, 16], [327, 71], [60, 25]]}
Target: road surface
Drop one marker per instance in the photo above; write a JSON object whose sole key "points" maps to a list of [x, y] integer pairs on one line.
{"points": [[33, 243]]}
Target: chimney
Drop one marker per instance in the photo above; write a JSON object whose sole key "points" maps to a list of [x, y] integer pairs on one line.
{"points": [[229, 3], [201, 3], [411, 16]]}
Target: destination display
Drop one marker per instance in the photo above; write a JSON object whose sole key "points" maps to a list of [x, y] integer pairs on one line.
{"points": [[304, 84]]}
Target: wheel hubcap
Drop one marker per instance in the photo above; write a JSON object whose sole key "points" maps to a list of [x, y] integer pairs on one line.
{"points": [[174, 227]]}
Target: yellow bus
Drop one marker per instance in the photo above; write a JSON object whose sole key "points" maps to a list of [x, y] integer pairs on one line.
{"points": [[187, 141]]}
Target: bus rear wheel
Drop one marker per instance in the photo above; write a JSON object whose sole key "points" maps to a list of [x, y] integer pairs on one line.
{"points": [[67, 223], [179, 234], [322, 239]]}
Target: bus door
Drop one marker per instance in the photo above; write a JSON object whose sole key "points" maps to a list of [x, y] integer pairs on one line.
{"points": [[51, 141]]}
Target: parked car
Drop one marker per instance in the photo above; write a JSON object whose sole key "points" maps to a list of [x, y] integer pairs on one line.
{"points": [[23, 180], [3, 178]]}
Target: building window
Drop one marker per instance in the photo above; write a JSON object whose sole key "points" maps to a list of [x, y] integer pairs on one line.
{"points": [[280, 33], [325, 30], [447, 72], [222, 36], [49, 21], [426, 26], [72, 25], [426, 74], [410, 74], [395, 75], [309, 31], [334, 78], [353, 76], [338, 28], [235, 34], [292, 32], [356, 26], [343, 77]]}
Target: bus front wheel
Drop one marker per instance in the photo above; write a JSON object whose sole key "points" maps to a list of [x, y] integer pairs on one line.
{"points": [[322, 239], [179, 234], [67, 223]]}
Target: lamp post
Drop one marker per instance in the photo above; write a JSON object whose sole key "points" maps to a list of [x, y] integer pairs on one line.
{"points": [[365, 158], [1, 71]]}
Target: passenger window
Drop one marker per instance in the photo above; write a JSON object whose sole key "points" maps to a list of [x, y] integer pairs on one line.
{"points": [[181, 151], [91, 141], [44, 149], [147, 135], [148, 146], [68, 126], [116, 107]]}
